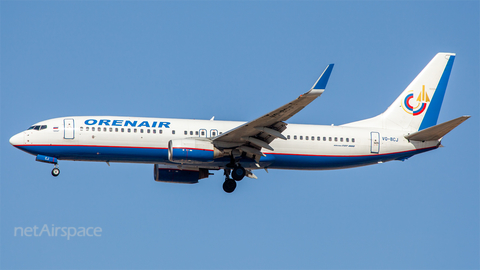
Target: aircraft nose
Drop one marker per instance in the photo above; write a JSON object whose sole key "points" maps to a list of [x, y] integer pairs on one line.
{"points": [[17, 139]]}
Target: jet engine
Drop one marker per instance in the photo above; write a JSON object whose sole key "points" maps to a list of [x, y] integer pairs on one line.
{"points": [[192, 151], [172, 174]]}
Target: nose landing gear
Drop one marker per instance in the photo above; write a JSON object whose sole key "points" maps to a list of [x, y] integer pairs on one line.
{"points": [[51, 160], [55, 171]]}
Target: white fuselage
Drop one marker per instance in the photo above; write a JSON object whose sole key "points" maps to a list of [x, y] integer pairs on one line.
{"points": [[145, 140]]}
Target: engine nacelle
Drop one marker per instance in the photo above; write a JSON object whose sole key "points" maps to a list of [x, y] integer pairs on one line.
{"points": [[192, 151], [162, 173]]}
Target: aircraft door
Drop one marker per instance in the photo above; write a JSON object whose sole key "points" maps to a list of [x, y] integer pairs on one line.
{"points": [[375, 142], [213, 132], [69, 129]]}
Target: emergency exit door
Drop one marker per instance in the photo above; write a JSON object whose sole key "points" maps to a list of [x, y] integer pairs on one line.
{"points": [[202, 133], [69, 129], [375, 142]]}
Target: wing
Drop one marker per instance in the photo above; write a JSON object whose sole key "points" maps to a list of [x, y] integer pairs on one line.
{"points": [[251, 137]]}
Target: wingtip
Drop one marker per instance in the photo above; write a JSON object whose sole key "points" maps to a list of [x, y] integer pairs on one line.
{"points": [[322, 81]]}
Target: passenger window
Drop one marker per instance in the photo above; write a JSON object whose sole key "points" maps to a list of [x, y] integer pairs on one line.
{"points": [[336, 139], [341, 139], [154, 131], [294, 137], [301, 137], [313, 138], [148, 130], [220, 132], [105, 129], [81, 128], [111, 129], [329, 139], [122, 129], [173, 132], [318, 138], [288, 137], [116, 129], [324, 139], [196, 133], [186, 132], [129, 130], [160, 131], [191, 132], [141, 130], [346, 139], [306, 138], [86, 128], [134, 130], [353, 139]]}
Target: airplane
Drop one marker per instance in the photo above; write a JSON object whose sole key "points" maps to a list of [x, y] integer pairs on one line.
{"points": [[185, 151]]}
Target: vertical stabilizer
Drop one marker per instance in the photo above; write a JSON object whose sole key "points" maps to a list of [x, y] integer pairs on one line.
{"points": [[418, 106]]}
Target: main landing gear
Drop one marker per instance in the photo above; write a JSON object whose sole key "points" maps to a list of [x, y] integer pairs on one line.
{"points": [[238, 172]]}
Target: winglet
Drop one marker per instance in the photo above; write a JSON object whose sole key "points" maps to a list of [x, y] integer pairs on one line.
{"points": [[321, 83]]}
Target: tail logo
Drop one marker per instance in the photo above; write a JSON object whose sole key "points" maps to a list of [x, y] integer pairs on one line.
{"points": [[421, 104]]}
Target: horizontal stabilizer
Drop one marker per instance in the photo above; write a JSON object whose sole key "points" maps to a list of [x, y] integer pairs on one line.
{"points": [[436, 132]]}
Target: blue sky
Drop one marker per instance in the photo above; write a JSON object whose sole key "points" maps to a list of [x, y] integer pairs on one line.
{"points": [[236, 61]]}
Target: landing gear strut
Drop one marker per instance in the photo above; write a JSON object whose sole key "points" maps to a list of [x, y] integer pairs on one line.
{"points": [[229, 185]]}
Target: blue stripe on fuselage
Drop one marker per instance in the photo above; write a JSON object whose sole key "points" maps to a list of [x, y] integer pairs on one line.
{"points": [[160, 155], [314, 162], [99, 153]]}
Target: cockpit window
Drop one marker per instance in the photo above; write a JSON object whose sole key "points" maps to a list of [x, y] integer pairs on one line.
{"points": [[37, 127]]}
